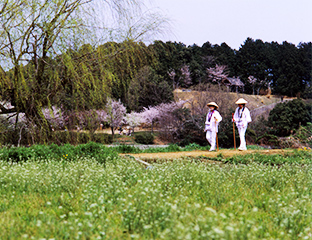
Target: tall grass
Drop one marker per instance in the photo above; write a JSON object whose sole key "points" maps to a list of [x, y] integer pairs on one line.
{"points": [[80, 199], [169, 148], [66, 152]]}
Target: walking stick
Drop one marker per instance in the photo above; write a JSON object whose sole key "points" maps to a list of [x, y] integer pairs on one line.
{"points": [[233, 130], [217, 137]]}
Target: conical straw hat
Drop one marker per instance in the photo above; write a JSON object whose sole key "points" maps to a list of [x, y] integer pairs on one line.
{"points": [[213, 104], [241, 101]]}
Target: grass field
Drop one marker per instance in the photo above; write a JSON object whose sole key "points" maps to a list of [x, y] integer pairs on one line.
{"points": [[83, 199]]}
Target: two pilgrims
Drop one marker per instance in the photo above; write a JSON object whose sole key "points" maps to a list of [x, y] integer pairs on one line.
{"points": [[241, 119]]}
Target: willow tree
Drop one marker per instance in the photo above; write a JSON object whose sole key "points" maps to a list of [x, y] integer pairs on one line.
{"points": [[39, 45]]}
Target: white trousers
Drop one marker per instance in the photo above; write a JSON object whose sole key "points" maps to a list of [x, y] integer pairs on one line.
{"points": [[242, 131], [211, 138]]}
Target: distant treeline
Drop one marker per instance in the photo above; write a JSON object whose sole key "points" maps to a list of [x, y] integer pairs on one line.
{"points": [[284, 68], [142, 76]]}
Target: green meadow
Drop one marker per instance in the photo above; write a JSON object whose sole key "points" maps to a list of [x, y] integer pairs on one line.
{"points": [[89, 198]]}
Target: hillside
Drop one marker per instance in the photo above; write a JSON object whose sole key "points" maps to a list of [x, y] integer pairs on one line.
{"points": [[257, 104]]}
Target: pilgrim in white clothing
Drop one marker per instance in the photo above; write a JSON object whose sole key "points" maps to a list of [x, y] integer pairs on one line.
{"points": [[213, 119], [241, 119]]}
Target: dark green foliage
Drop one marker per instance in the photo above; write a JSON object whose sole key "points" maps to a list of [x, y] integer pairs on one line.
{"points": [[103, 138], [192, 146], [131, 149], [11, 137], [309, 109], [285, 67], [268, 139], [259, 126], [148, 89], [63, 137], [189, 128], [253, 59], [251, 135], [173, 148], [225, 134], [290, 72], [144, 138], [304, 134], [287, 117], [66, 152], [127, 149], [17, 154], [305, 55]]}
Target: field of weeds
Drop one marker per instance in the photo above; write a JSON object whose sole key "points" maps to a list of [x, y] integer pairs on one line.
{"points": [[85, 199]]}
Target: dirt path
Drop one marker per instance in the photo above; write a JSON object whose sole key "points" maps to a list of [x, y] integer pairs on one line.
{"points": [[225, 153]]}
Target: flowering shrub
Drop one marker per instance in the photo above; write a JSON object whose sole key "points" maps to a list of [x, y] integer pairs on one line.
{"points": [[133, 119], [55, 117], [115, 113]]}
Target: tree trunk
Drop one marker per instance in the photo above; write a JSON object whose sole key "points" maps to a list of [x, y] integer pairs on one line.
{"points": [[41, 128], [112, 128]]}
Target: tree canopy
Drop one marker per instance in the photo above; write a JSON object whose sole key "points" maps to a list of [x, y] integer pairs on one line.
{"points": [[49, 55]]}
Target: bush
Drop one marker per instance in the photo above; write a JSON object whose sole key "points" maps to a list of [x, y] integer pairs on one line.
{"points": [[192, 146], [304, 134], [127, 149], [22, 136], [225, 134], [63, 137], [173, 148], [103, 138], [268, 139], [66, 152], [144, 138], [9, 135], [287, 117]]}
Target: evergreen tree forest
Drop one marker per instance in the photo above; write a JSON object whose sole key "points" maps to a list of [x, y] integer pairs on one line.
{"points": [[284, 68]]}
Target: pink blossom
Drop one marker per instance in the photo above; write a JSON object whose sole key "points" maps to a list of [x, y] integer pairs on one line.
{"points": [[115, 113], [133, 119], [217, 74]]}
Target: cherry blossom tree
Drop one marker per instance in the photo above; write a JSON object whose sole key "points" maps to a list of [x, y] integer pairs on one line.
{"points": [[167, 118], [55, 117], [133, 119], [182, 78], [172, 74], [235, 81], [150, 115], [186, 75], [217, 74], [252, 80], [115, 113]]}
